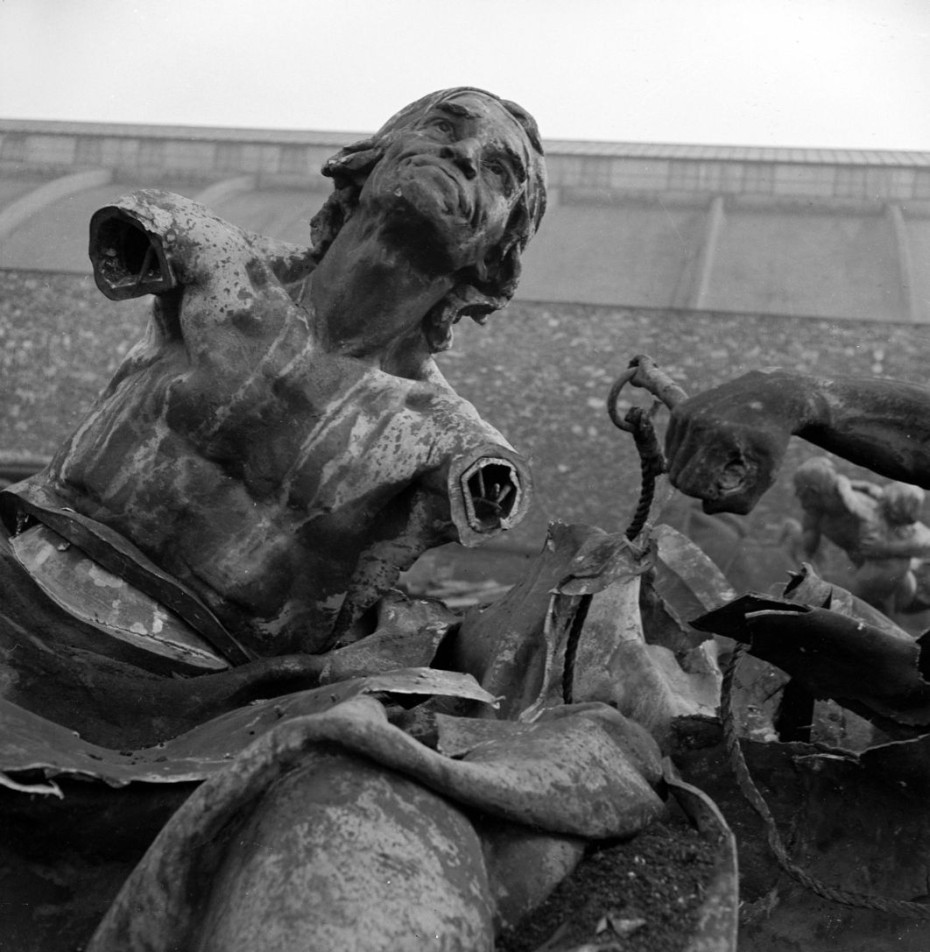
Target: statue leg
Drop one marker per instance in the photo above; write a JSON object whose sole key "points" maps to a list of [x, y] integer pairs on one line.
{"points": [[878, 582], [349, 855]]}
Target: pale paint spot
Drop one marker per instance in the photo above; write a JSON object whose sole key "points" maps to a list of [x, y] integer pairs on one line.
{"points": [[42, 555]]}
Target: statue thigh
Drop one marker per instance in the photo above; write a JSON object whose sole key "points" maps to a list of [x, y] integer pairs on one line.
{"points": [[886, 584], [350, 855]]}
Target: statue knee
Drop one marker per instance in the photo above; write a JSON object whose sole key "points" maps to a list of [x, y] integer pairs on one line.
{"points": [[348, 855]]}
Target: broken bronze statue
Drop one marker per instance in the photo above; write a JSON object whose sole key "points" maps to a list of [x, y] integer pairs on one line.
{"points": [[221, 535], [857, 784], [741, 429]]}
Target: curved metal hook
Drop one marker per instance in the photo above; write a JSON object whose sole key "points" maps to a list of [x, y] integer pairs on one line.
{"points": [[643, 372]]}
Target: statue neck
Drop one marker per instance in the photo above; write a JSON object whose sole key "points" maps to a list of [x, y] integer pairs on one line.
{"points": [[369, 300]]}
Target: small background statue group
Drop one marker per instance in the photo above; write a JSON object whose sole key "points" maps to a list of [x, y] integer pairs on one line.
{"points": [[877, 526]]}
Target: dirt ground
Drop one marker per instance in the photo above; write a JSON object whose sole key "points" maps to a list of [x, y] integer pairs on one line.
{"points": [[640, 896]]}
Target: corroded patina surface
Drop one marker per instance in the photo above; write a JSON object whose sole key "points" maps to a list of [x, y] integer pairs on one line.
{"points": [[282, 443]]}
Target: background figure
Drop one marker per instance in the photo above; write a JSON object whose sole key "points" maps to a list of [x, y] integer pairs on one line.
{"points": [[877, 527], [834, 507], [893, 551]]}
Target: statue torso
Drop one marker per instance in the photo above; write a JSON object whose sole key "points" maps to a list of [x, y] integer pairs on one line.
{"points": [[256, 479]]}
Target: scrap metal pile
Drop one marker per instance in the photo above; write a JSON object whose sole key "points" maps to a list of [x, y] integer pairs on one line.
{"points": [[225, 727]]}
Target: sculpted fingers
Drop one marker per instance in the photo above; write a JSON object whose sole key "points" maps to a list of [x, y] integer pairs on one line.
{"points": [[713, 464], [691, 449], [691, 454]]}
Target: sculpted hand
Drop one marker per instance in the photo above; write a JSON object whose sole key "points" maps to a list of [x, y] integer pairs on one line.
{"points": [[725, 445]]}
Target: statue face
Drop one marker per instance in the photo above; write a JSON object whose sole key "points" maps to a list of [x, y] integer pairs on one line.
{"points": [[449, 180]]}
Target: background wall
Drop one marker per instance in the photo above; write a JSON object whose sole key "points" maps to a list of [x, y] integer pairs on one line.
{"points": [[808, 232]]}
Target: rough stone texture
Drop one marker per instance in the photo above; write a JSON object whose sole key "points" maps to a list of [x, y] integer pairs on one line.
{"points": [[539, 372]]}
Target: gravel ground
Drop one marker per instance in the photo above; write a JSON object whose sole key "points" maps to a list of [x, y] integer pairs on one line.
{"points": [[539, 372]]}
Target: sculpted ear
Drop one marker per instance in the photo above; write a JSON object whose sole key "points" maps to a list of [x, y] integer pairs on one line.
{"points": [[352, 165], [348, 168]]}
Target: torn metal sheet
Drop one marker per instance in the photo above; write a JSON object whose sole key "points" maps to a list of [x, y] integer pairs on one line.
{"points": [[164, 642], [869, 670], [615, 664], [512, 647], [718, 921], [29, 742], [807, 588]]}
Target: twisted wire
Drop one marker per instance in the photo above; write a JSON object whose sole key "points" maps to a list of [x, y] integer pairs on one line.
{"points": [[652, 465]]}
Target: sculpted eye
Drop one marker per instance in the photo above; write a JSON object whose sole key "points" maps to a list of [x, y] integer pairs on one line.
{"points": [[503, 172], [443, 125], [505, 165], [501, 168]]}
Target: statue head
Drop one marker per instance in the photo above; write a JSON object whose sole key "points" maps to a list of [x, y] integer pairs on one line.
{"points": [[815, 481], [901, 503], [506, 161]]}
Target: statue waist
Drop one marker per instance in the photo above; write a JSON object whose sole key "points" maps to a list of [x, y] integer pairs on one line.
{"points": [[100, 577]]}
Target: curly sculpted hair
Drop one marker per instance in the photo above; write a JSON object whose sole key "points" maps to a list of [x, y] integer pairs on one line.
{"points": [[481, 290]]}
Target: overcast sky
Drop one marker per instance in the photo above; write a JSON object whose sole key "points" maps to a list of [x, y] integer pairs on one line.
{"points": [[829, 73]]}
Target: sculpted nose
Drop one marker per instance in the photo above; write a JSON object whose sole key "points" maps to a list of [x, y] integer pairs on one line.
{"points": [[465, 155]]}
